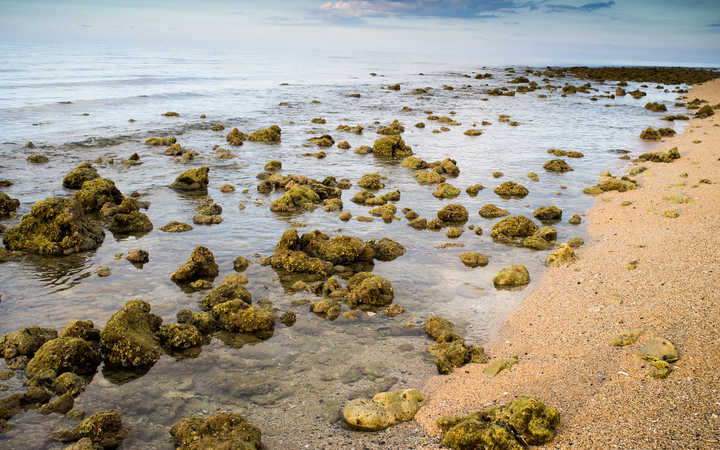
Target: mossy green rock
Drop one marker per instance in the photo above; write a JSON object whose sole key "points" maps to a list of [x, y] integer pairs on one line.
{"points": [[83, 329], [473, 259], [428, 177], [626, 338], [200, 266], [55, 227], [391, 147], [513, 276], [238, 317], [368, 290], [513, 230], [269, 135], [222, 431], [298, 198], [192, 180], [384, 410], [564, 255], [446, 190], [128, 339], [664, 157], [103, 429], [437, 327], [453, 213], [498, 365], [524, 421], [386, 249], [79, 175], [511, 189], [491, 211], [25, 342], [548, 213], [64, 355], [658, 349], [232, 288], [179, 336], [557, 165], [8, 204], [95, 193], [414, 163]]}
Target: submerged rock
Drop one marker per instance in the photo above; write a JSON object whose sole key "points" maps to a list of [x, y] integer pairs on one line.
{"points": [[446, 190], [512, 276], [8, 205], [103, 430], [513, 229], [270, 135], [192, 180], [548, 213], [491, 211], [19, 346], [176, 227], [524, 421], [220, 431], [473, 259], [298, 198], [557, 165], [64, 354], [368, 290], [453, 213], [55, 227], [449, 349], [511, 189], [386, 249], [391, 147], [200, 266], [384, 410], [128, 339]]}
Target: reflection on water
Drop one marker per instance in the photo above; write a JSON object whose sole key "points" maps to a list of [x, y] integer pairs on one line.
{"points": [[293, 384]]}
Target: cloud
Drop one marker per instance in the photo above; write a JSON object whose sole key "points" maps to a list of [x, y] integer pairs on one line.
{"points": [[587, 7], [464, 9]]}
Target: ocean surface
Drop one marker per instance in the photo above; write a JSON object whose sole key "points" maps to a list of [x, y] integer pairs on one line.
{"points": [[75, 106]]}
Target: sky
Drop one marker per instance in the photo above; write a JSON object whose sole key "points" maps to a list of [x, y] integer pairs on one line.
{"points": [[493, 31]]}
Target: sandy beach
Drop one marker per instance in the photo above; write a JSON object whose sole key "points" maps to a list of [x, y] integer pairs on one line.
{"points": [[561, 333]]}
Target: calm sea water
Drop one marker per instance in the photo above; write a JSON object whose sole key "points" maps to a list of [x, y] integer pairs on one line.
{"points": [[75, 105]]}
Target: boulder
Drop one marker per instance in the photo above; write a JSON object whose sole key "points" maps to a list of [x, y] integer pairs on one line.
{"points": [[491, 211], [180, 336], [548, 213], [103, 430], [513, 229], [298, 198], [269, 135], [128, 339], [446, 190], [386, 249], [176, 227], [511, 189], [562, 256], [511, 277], [453, 213], [428, 177], [232, 288], [220, 431], [194, 180], [96, 193], [391, 147], [368, 290], [237, 316], [200, 266], [64, 354], [19, 346], [385, 409], [79, 175], [473, 259], [8, 204]]}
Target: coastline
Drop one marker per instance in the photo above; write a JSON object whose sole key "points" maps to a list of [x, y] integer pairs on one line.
{"points": [[561, 332]]}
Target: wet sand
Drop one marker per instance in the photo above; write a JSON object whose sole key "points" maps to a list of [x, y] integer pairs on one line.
{"points": [[561, 332]]}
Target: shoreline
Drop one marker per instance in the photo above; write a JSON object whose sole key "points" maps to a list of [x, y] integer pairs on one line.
{"points": [[561, 331]]}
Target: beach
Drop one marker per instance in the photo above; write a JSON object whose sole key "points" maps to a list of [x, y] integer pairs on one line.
{"points": [[639, 270]]}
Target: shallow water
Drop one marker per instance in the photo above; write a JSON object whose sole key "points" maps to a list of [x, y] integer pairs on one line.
{"points": [[294, 384]]}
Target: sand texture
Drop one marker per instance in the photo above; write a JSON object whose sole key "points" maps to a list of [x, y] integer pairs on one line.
{"points": [[561, 333]]}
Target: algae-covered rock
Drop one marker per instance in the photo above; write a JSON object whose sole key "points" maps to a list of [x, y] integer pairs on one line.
{"points": [[513, 229], [37, 158], [511, 189], [21, 345], [665, 157], [512, 276], [83, 329], [371, 181], [557, 165], [656, 107], [562, 256], [55, 227], [446, 190], [237, 316], [437, 327], [384, 410], [323, 141], [332, 204], [96, 193], [548, 213], [232, 288], [298, 198], [176, 227], [8, 204], [626, 338], [524, 421], [79, 175], [104, 430], [498, 365], [224, 431], [368, 290], [157, 141], [270, 135], [428, 177], [192, 180], [413, 162], [179, 336], [126, 218], [391, 147], [200, 266], [491, 211], [658, 349], [235, 137], [453, 213], [704, 112], [65, 354], [650, 134], [273, 166], [473, 259], [395, 128], [128, 339], [386, 249], [474, 189], [419, 223]]}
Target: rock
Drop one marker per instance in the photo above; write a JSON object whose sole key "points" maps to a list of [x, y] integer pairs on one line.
{"points": [[69, 383], [386, 249], [235, 137], [37, 158], [474, 189], [385, 409], [195, 180], [414, 163], [548, 213], [179, 336], [511, 189], [453, 213], [473, 259], [655, 107], [393, 310], [704, 112], [418, 223], [473, 132], [428, 177], [128, 339], [343, 145], [498, 365], [126, 218], [65, 354], [665, 157], [22, 344], [395, 128], [332, 204], [240, 264], [626, 338], [454, 232], [371, 181], [446, 190], [368, 290], [575, 220], [391, 147], [157, 141], [83, 329], [220, 431], [237, 316], [227, 188], [298, 198], [650, 134], [562, 256], [201, 265], [103, 429], [446, 167], [323, 141], [491, 211], [512, 276], [568, 153], [79, 175], [288, 318], [55, 227], [202, 320], [8, 204], [270, 135], [576, 242], [345, 216], [513, 229], [96, 193], [524, 421], [658, 349], [557, 165], [176, 227], [273, 166], [138, 257], [204, 219], [232, 288]]}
